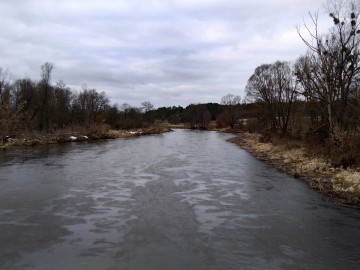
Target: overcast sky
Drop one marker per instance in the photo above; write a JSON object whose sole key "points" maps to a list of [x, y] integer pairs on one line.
{"points": [[170, 53]]}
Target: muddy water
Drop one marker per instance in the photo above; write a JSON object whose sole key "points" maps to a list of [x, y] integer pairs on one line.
{"points": [[183, 200]]}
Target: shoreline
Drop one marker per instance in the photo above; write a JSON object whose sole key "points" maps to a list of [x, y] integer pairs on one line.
{"points": [[66, 137], [342, 186], [339, 185]]}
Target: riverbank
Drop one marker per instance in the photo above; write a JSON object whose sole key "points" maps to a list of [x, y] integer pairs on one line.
{"points": [[340, 185], [32, 139]]}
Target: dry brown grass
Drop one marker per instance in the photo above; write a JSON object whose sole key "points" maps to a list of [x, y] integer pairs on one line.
{"points": [[300, 163], [82, 134]]}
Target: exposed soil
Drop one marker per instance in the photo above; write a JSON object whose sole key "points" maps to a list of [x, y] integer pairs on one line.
{"points": [[339, 185]]}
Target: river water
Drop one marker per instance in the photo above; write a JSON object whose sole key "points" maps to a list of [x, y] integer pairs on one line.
{"points": [[182, 200]]}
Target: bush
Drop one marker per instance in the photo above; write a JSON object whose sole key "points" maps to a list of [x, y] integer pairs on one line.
{"points": [[347, 155], [266, 136]]}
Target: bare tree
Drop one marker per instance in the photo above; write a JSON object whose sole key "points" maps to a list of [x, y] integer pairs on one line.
{"points": [[62, 98], [93, 105], [274, 86], [130, 117], [46, 70], [5, 99], [4, 81], [126, 107], [231, 110], [329, 71], [198, 116], [147, 106], [113, 116], [26, 97]]}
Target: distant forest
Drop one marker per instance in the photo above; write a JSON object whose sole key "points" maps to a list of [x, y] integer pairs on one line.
{"points": [[28, 106], [317, 96]]}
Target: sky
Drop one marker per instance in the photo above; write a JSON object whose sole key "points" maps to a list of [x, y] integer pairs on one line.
{"points": [[167, 52]]}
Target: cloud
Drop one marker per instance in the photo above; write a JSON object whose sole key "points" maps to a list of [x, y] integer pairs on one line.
{"points": [[168, 52]]}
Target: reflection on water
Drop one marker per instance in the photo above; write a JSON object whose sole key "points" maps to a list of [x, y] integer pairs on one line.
{"points": [[183, 200]]}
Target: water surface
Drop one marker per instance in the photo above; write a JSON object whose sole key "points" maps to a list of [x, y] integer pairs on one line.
{"points": [[182, 200]]}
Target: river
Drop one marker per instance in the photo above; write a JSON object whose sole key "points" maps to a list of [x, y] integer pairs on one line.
{"points": [[181, 200]]}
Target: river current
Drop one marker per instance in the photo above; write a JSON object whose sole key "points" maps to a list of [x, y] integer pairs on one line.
{"points": [[181, 200]]}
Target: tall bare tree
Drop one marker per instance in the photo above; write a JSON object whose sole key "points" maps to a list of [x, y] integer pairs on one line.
{"points": [[93, 105], [26, 100], [45, 87], [231, 109], [274, 86], [329, 71], [4, 82], [147, 106], [61, 107]]}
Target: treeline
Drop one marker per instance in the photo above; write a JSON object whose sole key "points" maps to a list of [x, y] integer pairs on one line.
{"points": [[316, 99], [228, 113], [326, 79], [27, 105]]}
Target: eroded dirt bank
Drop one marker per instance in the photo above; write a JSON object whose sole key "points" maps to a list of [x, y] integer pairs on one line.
{"points": [[340, 185]]}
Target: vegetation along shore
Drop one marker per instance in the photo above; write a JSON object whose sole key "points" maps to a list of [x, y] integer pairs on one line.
{"points": [[341, 185], [64, 136]]}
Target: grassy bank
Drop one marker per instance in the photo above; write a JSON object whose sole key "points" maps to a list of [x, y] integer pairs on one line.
{"points": [[340, 185], [64, 136]]}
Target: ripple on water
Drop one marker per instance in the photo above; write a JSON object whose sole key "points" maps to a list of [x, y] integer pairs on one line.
{"points": [[185, 200]]}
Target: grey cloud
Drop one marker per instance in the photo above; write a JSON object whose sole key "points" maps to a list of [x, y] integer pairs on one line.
{"points": [[169, 52]]}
